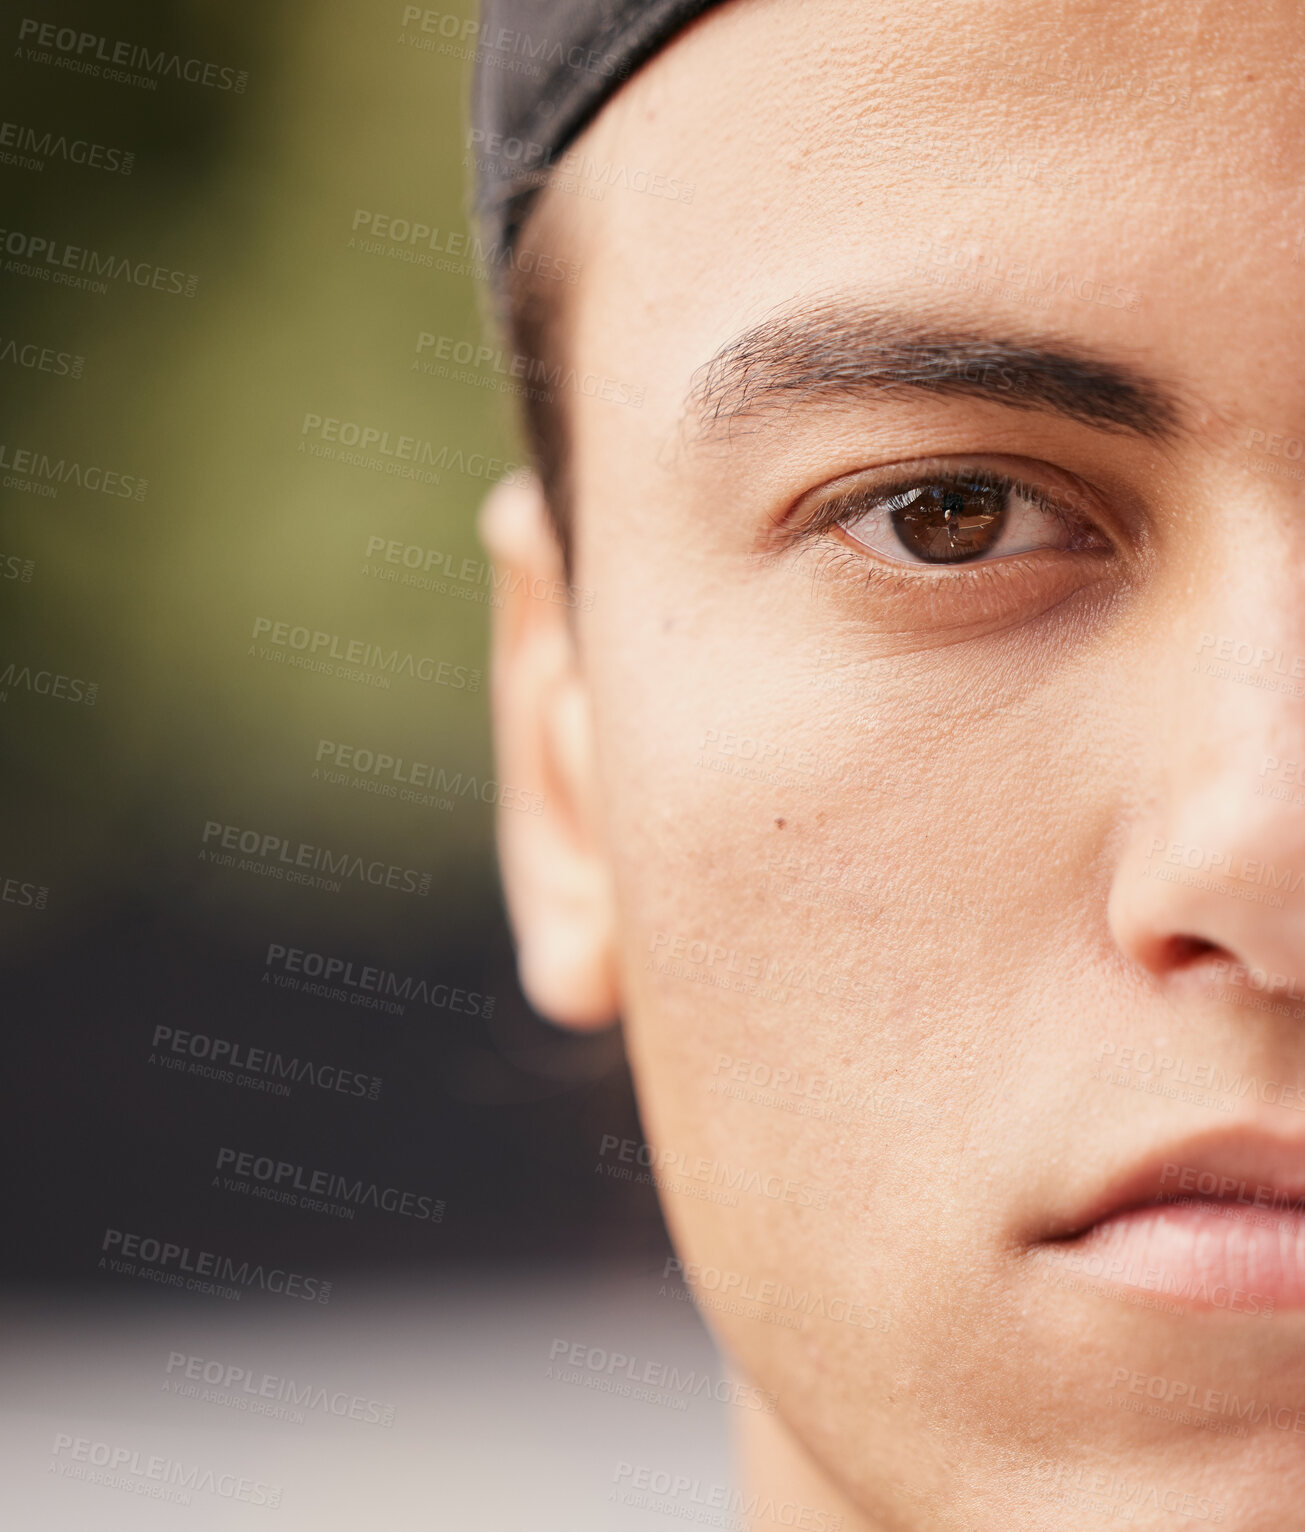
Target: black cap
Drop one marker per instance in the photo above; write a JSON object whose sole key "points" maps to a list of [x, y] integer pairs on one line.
{"points": [[543, 71]]}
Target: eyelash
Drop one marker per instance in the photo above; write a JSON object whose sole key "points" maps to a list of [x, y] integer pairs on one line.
{"points": [[838, 510]]}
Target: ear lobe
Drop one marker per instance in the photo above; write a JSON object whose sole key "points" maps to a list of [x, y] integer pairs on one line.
{"points": [[551, 853]]}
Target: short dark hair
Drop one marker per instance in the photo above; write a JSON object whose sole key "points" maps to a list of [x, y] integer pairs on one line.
{"points": [[534, 310]]}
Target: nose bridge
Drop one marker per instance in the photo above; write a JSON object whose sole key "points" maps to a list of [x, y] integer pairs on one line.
{"points": [[1236, 733], [1216, 858]]}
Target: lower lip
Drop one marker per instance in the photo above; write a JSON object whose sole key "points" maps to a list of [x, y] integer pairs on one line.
{"points": [[1205, 1255]]}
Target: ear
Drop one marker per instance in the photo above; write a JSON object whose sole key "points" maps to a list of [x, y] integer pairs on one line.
{"points": [[555, 875]]}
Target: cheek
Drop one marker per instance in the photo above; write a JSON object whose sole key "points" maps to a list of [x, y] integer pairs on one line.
{"points": [[799, 929], [825, 868], [786, 820], [841, 887], [810, 839]]}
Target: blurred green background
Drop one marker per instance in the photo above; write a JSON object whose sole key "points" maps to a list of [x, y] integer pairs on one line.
{"points": [[268, 197]]}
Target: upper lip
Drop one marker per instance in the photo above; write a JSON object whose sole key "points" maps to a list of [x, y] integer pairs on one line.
{"points": [[1245, 1164]]}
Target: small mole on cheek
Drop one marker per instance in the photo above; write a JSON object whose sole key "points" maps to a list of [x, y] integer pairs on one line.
{"points": [[780, 823]]}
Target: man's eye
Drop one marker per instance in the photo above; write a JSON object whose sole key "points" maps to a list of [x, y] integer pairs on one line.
{"points": [[958, 519]]}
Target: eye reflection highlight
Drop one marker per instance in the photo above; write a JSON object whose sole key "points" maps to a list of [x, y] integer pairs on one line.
{"points": [[945, 523], [957, 518]]}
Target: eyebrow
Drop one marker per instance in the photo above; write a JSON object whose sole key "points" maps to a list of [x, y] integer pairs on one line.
{"points": [[833, 352]]}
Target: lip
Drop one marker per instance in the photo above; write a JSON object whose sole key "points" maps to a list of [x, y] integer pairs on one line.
{"points": [[1215, 1222]]}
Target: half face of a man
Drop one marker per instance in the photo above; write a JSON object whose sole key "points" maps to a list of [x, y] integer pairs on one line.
{"points": [[915, 781]]}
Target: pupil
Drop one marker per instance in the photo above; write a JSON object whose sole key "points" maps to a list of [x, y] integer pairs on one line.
{"points": [[949, 523]]}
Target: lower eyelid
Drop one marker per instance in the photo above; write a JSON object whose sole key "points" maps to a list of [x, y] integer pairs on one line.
{"points": [[896, 591], [958, 603]]}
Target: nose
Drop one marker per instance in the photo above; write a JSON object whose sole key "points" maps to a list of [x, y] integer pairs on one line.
{"points": [[1213, 870]]}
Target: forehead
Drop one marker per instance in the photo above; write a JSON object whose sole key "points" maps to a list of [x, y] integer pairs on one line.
{"points": [[1132, 176]]}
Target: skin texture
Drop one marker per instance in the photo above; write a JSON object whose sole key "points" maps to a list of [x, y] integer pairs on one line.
{"points": [[966, 770]]}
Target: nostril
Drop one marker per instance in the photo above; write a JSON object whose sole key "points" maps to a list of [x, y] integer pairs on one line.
{"points": [[1186, 951]]}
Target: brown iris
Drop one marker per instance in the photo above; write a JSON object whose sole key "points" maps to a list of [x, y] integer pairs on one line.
{"points": [[948, 523]]}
